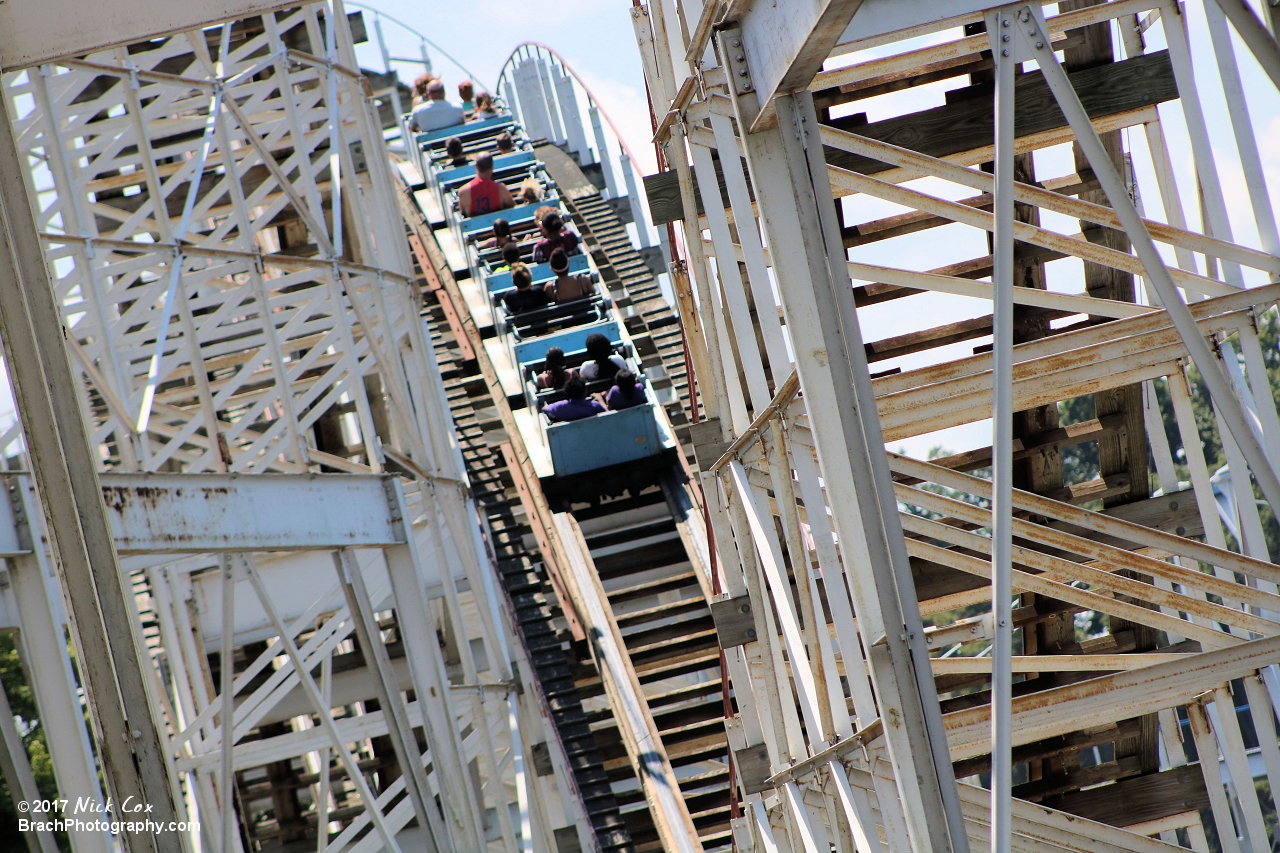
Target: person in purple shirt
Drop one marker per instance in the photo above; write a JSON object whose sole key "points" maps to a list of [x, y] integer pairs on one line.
{"points": [[625, 393], [554, 236], [576, 404]]}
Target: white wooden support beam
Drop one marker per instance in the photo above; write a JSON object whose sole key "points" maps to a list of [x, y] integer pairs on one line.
{"points": [[1255, 34], [1032, 31], [202, 513], [999, 24], [788, 173], [130, 739], [49, 670], [323, 714], [462, 813], [403, 742], [16, 767], [780, 46], [1100, 701], [1207, 749], [33, 33], [228, 835]]}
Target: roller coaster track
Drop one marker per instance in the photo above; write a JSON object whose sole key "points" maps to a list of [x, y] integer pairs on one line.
{"points": [[647, 550]]}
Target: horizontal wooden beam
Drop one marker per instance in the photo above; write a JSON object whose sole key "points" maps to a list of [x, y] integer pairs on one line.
{"points": [[33, 33], [1138, 799], [1053, 747], [943, 69], [975, 268], [1104, 90], [969, 123], [1099, 701], [202, 513]]}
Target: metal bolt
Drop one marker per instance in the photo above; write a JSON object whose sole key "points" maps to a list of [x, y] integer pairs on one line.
{"points": [[1181, 531], [1004, 37], [741, 57], [1031, 31], [751, 632], [1039, 45], [742, 72], [1004, 53], [1173, 504], [736, 42], [1004, 22], [746, 608]]}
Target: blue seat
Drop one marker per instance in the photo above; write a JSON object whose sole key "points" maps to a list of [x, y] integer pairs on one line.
{"points": [[570, 340], [450, 177], [514, 215], [500, 281], [606, 439], [462, 131]]}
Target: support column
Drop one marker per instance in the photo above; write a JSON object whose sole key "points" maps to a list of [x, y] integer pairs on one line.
{"points": [[16, 767], [788, 173], [1000, 25], [129, 738], [49, 670]]}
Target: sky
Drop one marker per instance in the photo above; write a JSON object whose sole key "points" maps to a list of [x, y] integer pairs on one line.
{"points": [[597, 40], [594, 36]]}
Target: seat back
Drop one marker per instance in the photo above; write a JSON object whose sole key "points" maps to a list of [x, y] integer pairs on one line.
{"points": [[454, 175], [606, 439], [473, 225], [501, 281], [569, 340], [469, 130]]}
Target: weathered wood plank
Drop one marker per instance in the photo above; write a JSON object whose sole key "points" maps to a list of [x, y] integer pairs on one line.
{"points": [[1139, 799], [962, 126]]}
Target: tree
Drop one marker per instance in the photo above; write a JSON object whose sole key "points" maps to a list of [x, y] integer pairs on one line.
{"points": [[23, 703]]}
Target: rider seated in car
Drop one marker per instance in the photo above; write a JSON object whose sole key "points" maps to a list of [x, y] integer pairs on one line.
{"points": [[525, 297], [483, 194], [554, 236], [602, 362], [626, 391], [555, 374], [567, 287], [576, 405]]}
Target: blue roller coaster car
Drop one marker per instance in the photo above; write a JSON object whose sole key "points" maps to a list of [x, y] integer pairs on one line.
{"points": [[609, 438]]}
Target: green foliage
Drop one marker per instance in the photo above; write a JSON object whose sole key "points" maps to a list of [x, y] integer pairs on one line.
{"points": [[934, 453], [23, 704], [1079, 461], [1206, 424]]}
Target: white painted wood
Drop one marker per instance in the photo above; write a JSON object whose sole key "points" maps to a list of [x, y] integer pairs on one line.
{"points": [[785, 46], [34, 33]]}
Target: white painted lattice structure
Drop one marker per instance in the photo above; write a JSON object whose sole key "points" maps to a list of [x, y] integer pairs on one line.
{"points": [[219, 222], [824, 538], [263, 99]]}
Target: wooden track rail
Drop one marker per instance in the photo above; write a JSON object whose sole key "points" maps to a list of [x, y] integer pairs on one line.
{"points": [[649, 571]]}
